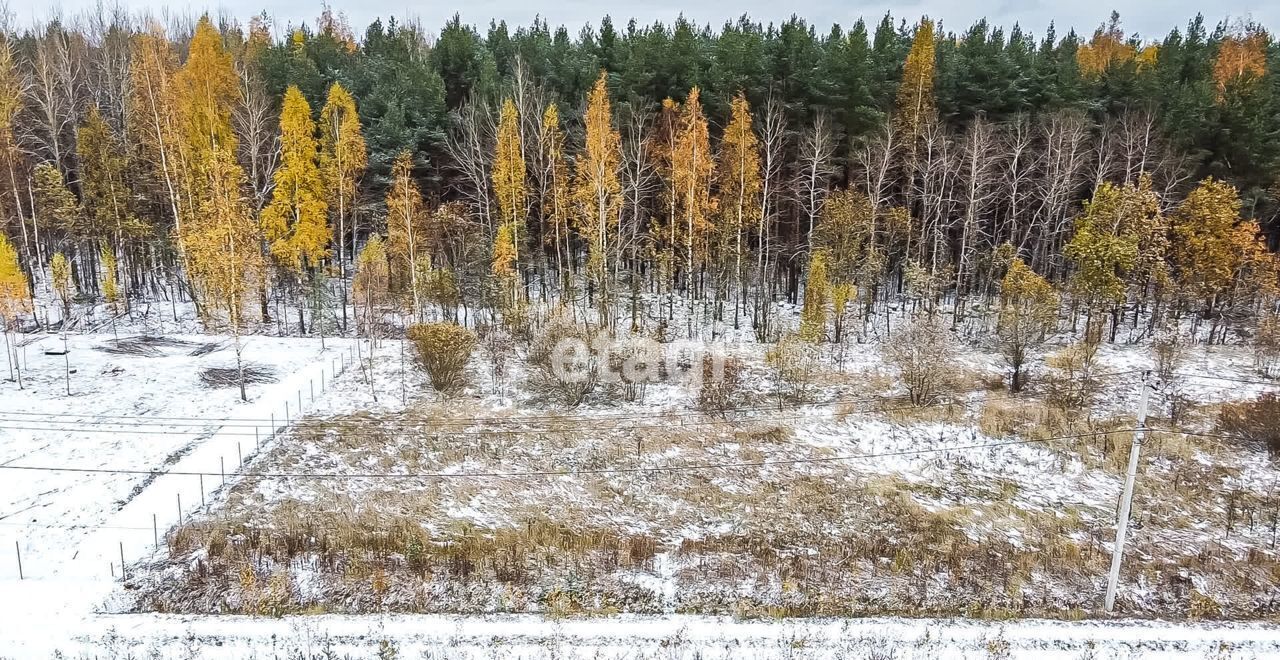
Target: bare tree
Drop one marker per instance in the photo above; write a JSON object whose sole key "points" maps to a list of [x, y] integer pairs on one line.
{"points": [[1062, 166], [470, 147], [53, 96], [815, 168], [773, 138], [978, 190]]}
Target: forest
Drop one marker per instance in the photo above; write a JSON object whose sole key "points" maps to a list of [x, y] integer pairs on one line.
{"points": [[309, 178]]}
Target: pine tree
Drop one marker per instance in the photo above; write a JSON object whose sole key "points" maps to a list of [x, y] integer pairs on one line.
{"points": [[597, 192]]}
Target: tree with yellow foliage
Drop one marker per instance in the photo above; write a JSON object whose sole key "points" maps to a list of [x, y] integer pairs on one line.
{"points": [[817, 290], [1028, 312], [509, 188], [343, 155], [691, 170], [214, 219], [294, 223], [738, 173], [1107, 48], [556, 204], [406, 224], [597, 193], [1212, 250], [915, 108], [1242, 57], [343, 159], [13, 86], [371, 287], [1107, 249], [14, 296], [152, 106], [205, 90], [224, 250], [63, 286]]}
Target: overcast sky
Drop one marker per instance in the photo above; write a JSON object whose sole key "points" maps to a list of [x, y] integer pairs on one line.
{"points": [[1152, 19]]}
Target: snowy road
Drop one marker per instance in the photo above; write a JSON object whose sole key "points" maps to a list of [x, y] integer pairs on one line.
{"points": [[710, 638]]}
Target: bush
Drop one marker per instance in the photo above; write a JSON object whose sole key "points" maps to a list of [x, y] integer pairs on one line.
{"points": [[443, 350], [1256, 422], [922, 353], [1266, 345], [564, 368], [1071, 384], [794, 362], [720, 392]]}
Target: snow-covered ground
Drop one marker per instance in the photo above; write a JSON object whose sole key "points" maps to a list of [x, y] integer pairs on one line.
{"points": [[150, 414], [676, 637]]}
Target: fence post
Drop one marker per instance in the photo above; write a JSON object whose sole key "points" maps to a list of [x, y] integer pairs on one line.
{"points": [[222, 470], [256, 443], [299, 400], [18, 551], [201, 475], [179, 508], [313, 387], [123, 574], [155, 531], [239, 455], [286, 413]]}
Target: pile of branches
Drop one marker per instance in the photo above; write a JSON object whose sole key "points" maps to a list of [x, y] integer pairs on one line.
{"points": [[215, 377], [143, 345]]}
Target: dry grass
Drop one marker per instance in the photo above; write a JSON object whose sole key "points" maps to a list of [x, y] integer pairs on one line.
{"points": [[956, 534]]}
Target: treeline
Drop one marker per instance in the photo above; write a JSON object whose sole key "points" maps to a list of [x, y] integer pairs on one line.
{"points": [[723, 170]]}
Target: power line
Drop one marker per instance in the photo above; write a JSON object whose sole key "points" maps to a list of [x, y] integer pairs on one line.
{"points": [[566, 473]]}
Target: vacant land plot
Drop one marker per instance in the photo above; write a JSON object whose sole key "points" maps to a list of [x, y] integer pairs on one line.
{"points": [[982, 504]]}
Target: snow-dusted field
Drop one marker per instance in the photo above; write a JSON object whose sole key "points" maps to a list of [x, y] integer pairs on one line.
{"points": [[150, 414], [139, 413]]}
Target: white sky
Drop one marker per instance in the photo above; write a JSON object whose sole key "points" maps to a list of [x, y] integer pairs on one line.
{"points": [[1152, 18]]}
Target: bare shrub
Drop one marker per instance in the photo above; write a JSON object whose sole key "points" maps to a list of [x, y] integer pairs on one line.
{"points": [[443, 350], [1256, 422], [1266, 345], [563, 366], [636, 364], [794, 363], [1170, 350], [500, 348], [922, 354], [721, 392]]}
